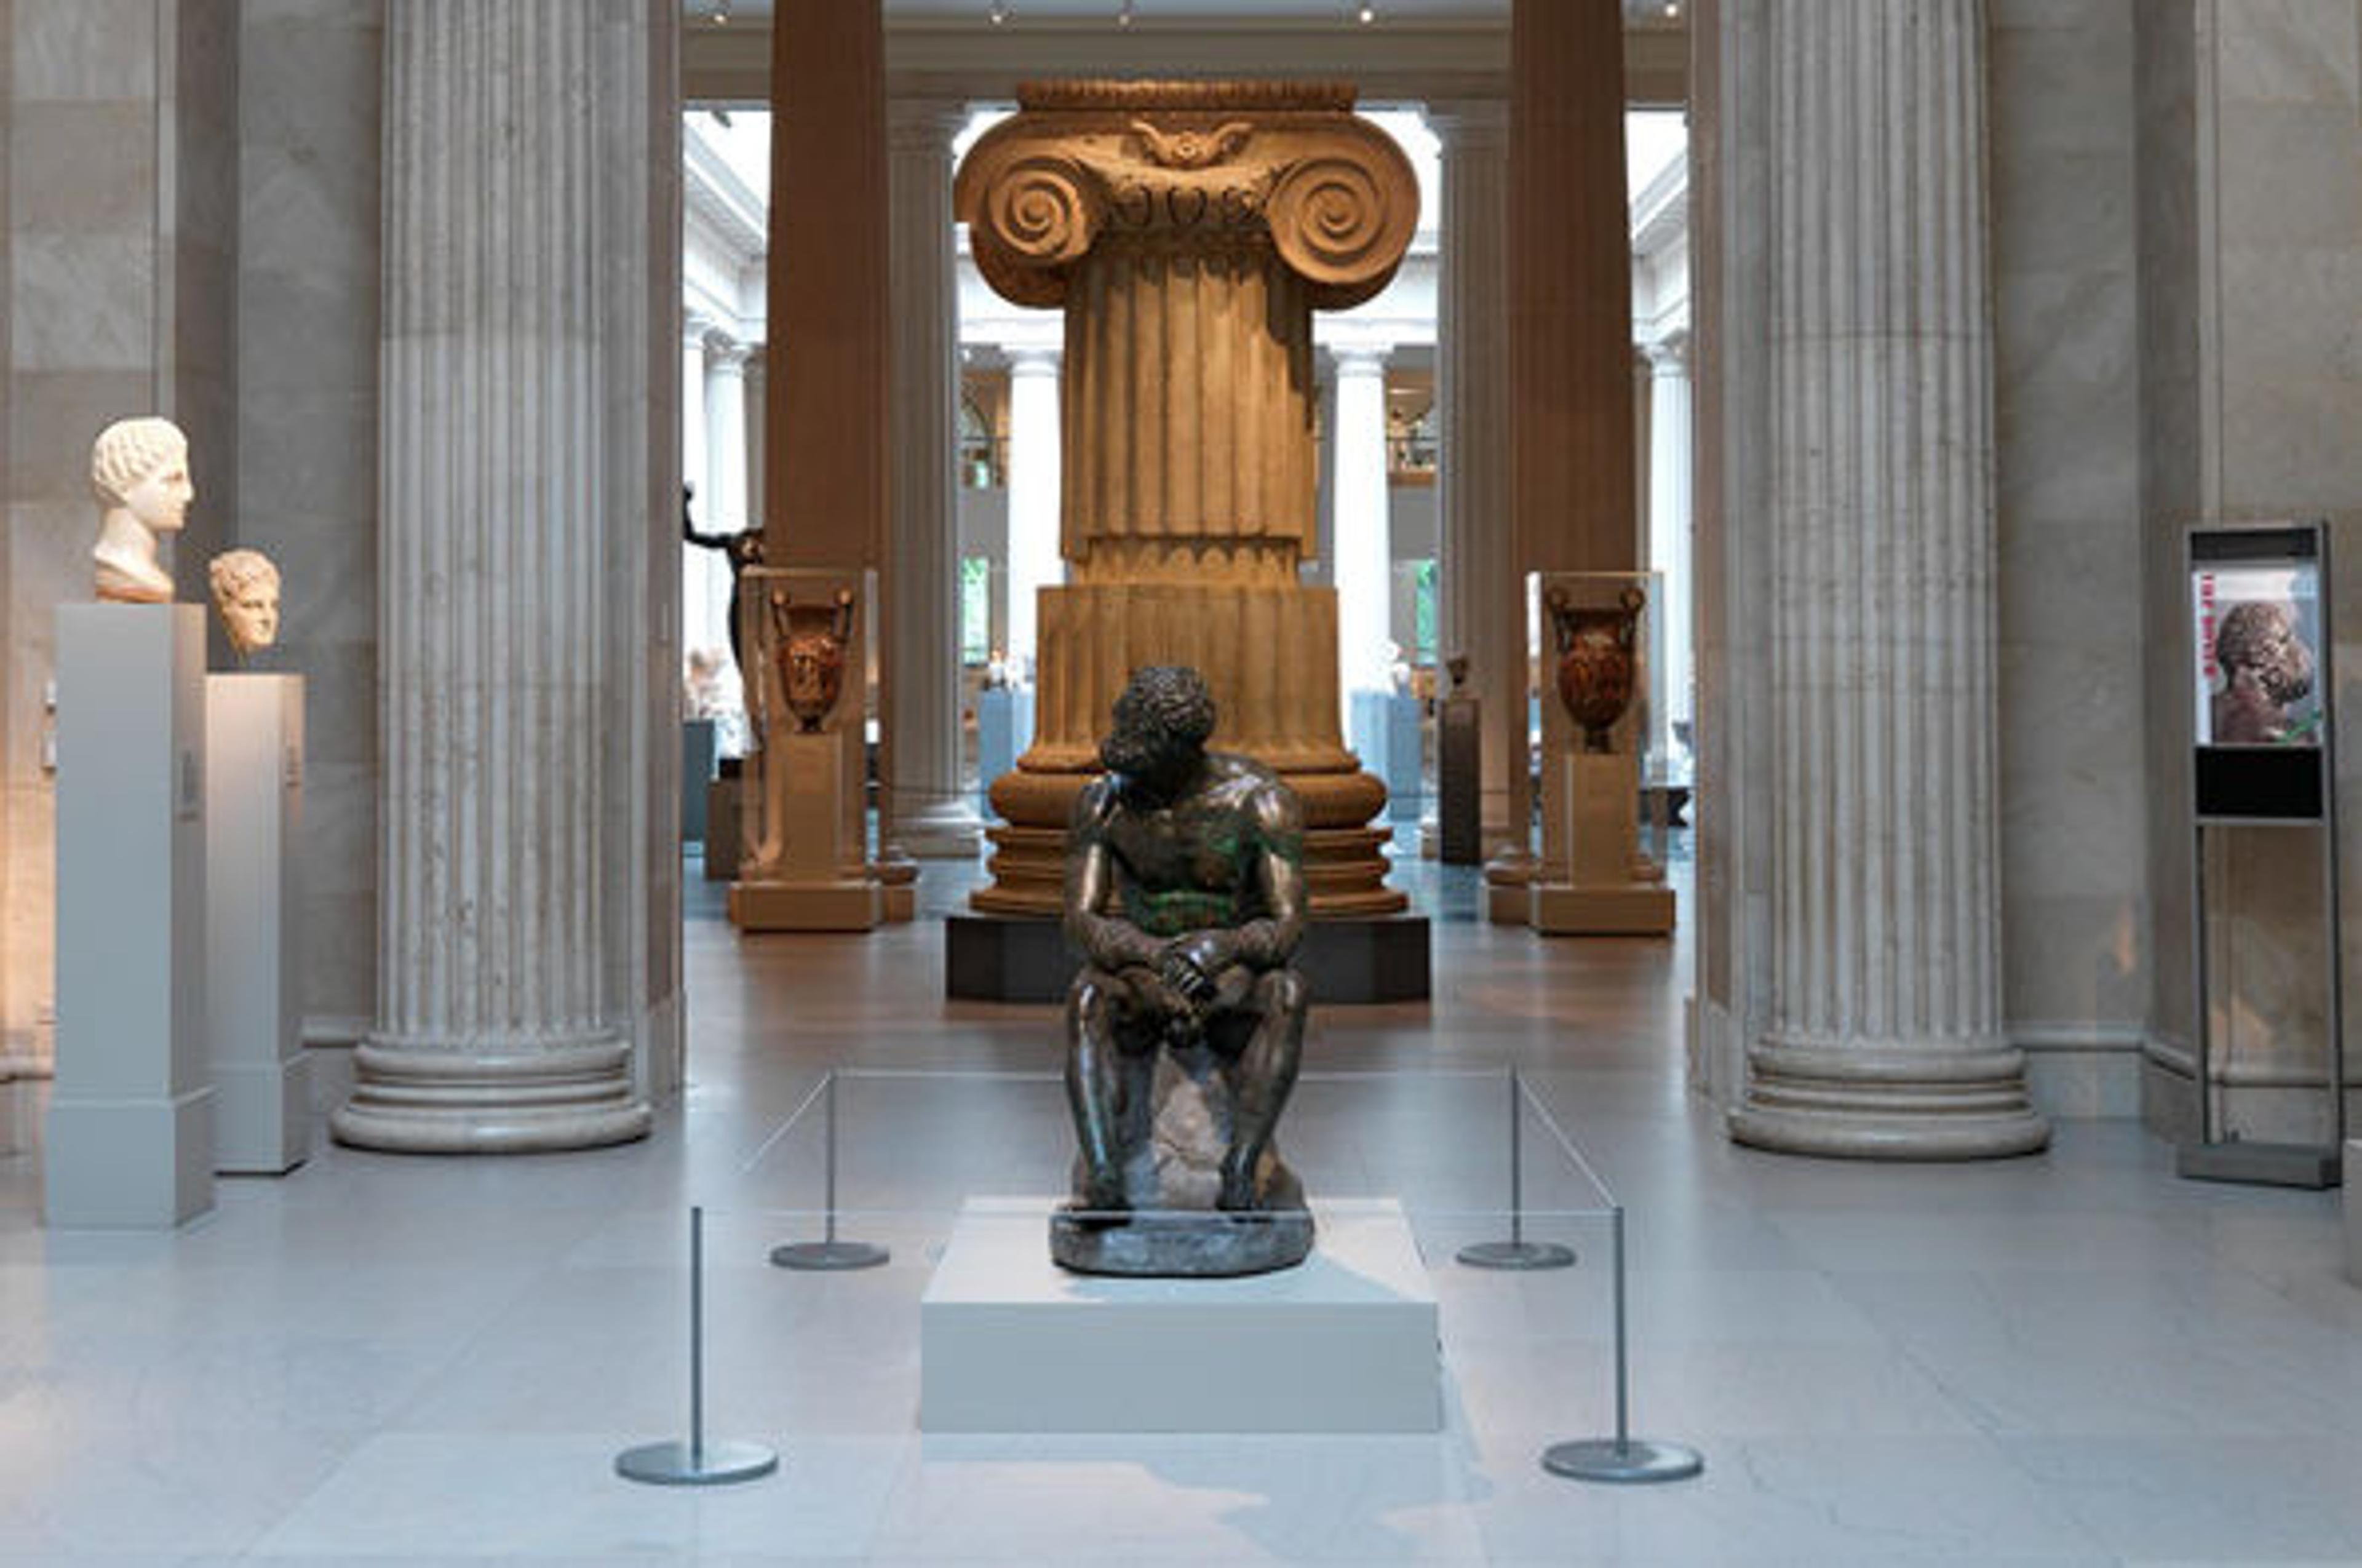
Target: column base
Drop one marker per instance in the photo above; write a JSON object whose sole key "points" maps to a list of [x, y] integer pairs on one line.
{"points": [[447, 1100], [939, 829], [1633, 909], [1936, 1102], [1509, 885], [807, 906]]}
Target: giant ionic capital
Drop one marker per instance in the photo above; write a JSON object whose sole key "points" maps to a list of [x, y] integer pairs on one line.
{"points": [[1188, 231], [1201, 163]]}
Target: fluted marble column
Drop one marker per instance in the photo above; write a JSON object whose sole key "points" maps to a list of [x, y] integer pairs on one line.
{"points": [[725, 435], [1669, 527], [1360, 549], [931, 814], [528, 665], [1033, 486], [1481, 609], [702, 627], [1884, 1037]]}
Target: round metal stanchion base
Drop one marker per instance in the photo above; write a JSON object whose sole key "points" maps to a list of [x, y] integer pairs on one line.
{"points": [[1635, 1461], [675, 1464], [1519, 1256], [828, 1258]]}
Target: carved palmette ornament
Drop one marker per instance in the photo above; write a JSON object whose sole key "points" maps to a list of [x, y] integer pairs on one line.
{"points": [[809, 644], [1595, 662]]}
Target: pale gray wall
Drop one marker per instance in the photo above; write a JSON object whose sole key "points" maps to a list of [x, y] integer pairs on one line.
{"points": [[308, 443], [122, 244], [2075, 924]]}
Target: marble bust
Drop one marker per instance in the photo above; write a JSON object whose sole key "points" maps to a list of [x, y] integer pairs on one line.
{"points": [[246, 596], [140, 469]]}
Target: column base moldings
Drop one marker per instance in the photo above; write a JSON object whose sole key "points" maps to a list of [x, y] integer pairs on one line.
{"points": [[807, 906], [1889, 1102], [938, 829], [1623, 908], [414, 1100]]}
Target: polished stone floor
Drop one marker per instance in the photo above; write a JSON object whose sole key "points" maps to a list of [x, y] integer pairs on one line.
{"points": [[2072, 1359]]}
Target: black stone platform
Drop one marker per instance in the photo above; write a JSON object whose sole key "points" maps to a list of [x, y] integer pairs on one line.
{"points": [[1012, 959]]}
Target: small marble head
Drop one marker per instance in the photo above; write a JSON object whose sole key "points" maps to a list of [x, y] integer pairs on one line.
{"points": [[246, 593], [142, 466], [140, 469]]}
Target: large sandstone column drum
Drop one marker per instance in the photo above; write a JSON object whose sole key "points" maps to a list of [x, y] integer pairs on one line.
{"points": [[1188, 230]]}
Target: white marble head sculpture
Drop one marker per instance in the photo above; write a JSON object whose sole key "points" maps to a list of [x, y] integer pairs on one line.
{"points": [[140, 469], [246, 594]]}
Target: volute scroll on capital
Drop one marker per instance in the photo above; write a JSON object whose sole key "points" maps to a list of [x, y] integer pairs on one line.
{"points": [[1332, 194]]}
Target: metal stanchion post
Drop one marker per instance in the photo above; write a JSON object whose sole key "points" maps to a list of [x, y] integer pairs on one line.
{"points": [[1622, 1458], [696, 1463], [1516, 1253], [829, 1255]]}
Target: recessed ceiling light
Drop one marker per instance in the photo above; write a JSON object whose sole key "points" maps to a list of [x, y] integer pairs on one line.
{"points": [[1366, 15], [1124, 16], [998, 14], [720, 13]]}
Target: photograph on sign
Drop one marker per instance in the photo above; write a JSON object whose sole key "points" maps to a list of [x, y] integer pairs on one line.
{"points": [[2256, 631]]}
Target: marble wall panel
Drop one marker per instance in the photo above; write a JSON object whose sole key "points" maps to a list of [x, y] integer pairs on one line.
{"points": [[2074, 884], [83, 240], [309, 157], [2263, 247], [8, 853], [2172, 468]]}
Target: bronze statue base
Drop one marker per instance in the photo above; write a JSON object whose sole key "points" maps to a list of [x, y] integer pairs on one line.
{"points": [[1175, 1243]]}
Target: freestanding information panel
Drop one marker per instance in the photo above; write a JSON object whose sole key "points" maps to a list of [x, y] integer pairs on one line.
{"points": [[2264, 756], [130, 1127], [254, 804]]}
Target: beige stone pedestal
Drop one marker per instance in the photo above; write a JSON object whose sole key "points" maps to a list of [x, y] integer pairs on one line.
{"points": [[1188, 230], [1602, 893], [806, 865]]}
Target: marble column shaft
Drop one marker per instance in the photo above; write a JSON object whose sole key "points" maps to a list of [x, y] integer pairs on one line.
{"points": [[1362, 560], [1669, 527], [824, 448], [725, 436], [1572, 459], [1482, 590], [1034, 469], [922, 692], [1884, 1038], [520, 458]]}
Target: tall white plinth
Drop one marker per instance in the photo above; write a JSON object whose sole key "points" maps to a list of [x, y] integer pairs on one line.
{"points": [[130, 1127], [1345, 1342], [254, 804]]}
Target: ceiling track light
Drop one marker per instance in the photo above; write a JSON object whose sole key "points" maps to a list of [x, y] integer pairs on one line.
{"points": [[720, 14], [1123, 15], [1365, 13], [997, 14]]}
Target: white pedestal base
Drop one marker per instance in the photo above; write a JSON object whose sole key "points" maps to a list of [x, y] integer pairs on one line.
{"points": [[254, 794], [130, 1126], [1347, 1342]]}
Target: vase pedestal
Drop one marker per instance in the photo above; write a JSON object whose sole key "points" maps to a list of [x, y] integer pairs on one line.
{"points": [[1598, 892]]}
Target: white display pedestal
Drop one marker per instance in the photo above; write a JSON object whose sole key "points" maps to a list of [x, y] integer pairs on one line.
{"points": [[1345, 1342], [130, 1124], [254, 796]]}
